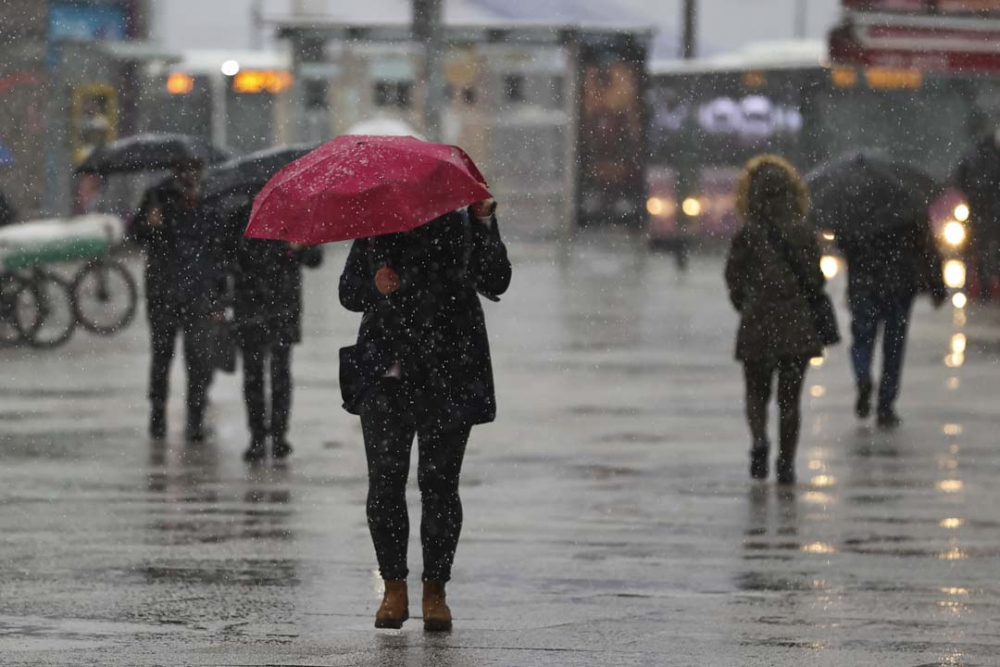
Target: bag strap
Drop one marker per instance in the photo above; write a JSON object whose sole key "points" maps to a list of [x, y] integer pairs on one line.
{"points": [[784, 249]]}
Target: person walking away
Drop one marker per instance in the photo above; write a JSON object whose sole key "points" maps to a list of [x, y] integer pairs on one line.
{"points": [[268, 316], [183, 276], [978, 177], [421, 367], [771, 270], [884, 276]]}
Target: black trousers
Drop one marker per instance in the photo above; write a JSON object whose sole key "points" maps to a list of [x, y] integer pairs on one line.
{"points": [[164, 328], [278, 357], [759, 376], [390, 422]]}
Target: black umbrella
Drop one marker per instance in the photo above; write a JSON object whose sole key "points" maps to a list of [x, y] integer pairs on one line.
{"points": [[150, 152], [861, 195], [247, 175]]}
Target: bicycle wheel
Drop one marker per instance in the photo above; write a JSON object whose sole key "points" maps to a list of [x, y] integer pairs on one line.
{"points": [[55, 306], [19, 313], [105, 297]]}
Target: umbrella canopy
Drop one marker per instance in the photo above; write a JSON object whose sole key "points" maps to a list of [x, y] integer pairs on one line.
{"points": [[861, 195], [361, 186], [248, 174], [149, 152]]}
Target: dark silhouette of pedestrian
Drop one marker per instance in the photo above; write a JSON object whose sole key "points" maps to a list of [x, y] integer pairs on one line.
{"points": [[8, 214], [183, 280], [978, 177], [884, 275], [268, 318], [772, 269], [421, 367]]}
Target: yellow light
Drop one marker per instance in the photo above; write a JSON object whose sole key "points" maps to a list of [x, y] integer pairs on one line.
{"points": [[830, 266], [952, 429], [950, 485], [259, 81], [958, 343], [953, 554], [954, 233], [655, 206], [952, 523], [819, 548], [823, 480], [954, 360], [954, 273], [691, 207], [959, 300], [829, 236], [817, 391], [179, 83], [816, 362], [962, 212], [844, 77], [891, 78], [954, 590]]}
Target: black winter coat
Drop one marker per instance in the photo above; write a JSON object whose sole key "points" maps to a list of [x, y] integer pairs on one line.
{"points": [[433, 326], [268, 291], [184, 272]]}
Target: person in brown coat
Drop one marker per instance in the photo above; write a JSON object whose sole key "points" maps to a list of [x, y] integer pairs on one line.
{"points": [[772, 257]]}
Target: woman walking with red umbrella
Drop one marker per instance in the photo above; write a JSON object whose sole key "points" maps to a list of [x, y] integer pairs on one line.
{"points": [[425, 358], [427, 245]]}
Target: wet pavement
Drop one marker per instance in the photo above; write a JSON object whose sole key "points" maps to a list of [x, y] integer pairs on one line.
{"points": [[609, 517]]}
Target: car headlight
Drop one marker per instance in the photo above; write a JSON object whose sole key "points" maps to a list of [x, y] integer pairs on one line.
{"points": [[954, 233]]}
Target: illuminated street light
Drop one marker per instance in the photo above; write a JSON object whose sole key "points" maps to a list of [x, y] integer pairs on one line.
{"points": [[954, 233], [230, 68], [962, 212], [954, 273], [830, 266], [959, 300], [691, 207]]}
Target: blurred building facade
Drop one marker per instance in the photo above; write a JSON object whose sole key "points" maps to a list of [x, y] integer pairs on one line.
{"points": [[69, 71]]}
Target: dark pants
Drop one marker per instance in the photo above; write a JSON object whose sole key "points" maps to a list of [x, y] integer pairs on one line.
{"points": [[759, 376], [279, 358], [868, 313], [163, 328], [389, 424]]}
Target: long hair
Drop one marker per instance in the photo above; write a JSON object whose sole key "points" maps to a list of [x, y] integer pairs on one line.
{"points": [[770, 187]]}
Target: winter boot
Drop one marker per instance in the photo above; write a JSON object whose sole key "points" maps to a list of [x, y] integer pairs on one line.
{"points": [[395, 606], [785, 470], [257, 451], [863, 408], [437, 615], [888, 419], [158, 422], [281, 449], [758, 460]]}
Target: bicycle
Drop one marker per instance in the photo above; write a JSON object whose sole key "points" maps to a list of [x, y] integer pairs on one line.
{"points": [[105, 296], [20, 316], [50, 297]]}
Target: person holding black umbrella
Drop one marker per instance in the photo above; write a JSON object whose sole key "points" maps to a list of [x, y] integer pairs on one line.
{"points": [[183, 285], [268, 313]]}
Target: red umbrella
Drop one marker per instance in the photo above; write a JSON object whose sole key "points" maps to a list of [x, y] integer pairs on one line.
{"points": [[360, 186]]}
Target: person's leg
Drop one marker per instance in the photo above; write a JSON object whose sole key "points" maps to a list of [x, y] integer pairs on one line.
{"points": [[253, 397], [440, 467], [281, 398], [864, 329], [388, 439], [758, 378], [897, 322], [199, 373], [163, 335], [791, 376]]}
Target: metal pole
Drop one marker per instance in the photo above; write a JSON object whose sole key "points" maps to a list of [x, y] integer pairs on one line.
{"points": [[801, 18], [689, 45], [428, 17]]}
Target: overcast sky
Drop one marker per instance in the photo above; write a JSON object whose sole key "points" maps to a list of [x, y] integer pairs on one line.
{"points": [[724, 25]]}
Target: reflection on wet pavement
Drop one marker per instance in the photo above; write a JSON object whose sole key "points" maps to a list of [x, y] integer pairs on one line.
{"points": [[609, 518]]}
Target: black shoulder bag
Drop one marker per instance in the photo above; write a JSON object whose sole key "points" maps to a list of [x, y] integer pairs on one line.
{"points": [[824, 315]]}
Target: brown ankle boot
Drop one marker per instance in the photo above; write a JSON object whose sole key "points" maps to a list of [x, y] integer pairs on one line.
{"points": [[395, 606], [437, 616]]}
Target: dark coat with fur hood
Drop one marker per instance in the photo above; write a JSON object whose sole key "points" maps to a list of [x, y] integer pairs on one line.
{"points": [[775, 317]]}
